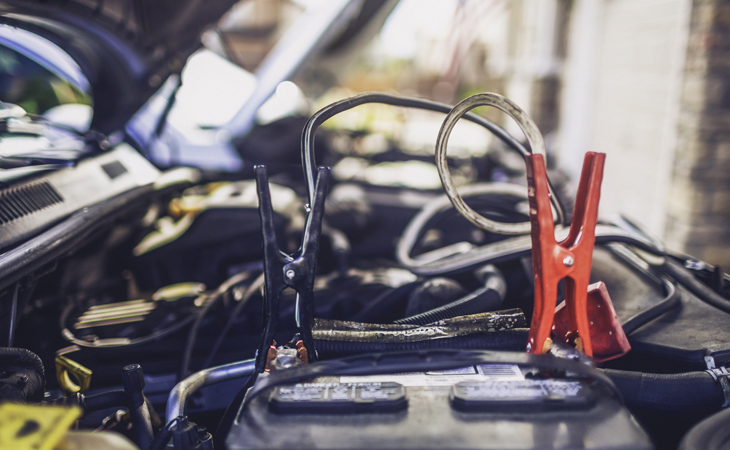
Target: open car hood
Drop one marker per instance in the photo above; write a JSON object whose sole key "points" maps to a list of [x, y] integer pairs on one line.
{"points": [[126, 48]]}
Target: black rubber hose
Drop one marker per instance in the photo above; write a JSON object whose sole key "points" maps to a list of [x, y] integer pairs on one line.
{"points": [[433, 293], [21, 357], [229, 416], [710, 434], [384, 303], [703, 292], [482, 300], [133, 381], [507, 340], [678, 392], [670, 301], [163, 436], [104, 400], [487, 298], [24, 379], [307, 144]]}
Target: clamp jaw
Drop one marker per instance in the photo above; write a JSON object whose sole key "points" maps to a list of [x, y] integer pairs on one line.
{"points": [[570, 260], [282, 270]]}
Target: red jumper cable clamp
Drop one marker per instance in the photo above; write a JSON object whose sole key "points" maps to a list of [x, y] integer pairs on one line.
{"points": [[587, 318], [591, 324]]}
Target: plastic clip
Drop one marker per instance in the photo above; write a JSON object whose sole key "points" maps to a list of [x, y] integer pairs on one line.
{"points": [[719, 374]]}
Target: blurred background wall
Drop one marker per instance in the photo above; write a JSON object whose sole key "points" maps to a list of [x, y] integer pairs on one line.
{"points": [[645, 81]]}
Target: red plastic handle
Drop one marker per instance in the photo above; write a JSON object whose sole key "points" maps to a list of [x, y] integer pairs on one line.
{"points": [[570, 259]]}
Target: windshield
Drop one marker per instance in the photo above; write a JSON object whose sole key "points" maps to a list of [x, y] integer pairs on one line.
{"points": [[42, 79]]}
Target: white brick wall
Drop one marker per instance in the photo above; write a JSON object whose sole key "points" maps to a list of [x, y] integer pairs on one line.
{"points": [[621, 95]]}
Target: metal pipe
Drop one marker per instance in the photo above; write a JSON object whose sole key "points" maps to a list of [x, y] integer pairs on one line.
{"points": [[190, 385]]}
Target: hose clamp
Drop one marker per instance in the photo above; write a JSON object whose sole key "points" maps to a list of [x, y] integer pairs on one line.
{"points": [[719, 374]]}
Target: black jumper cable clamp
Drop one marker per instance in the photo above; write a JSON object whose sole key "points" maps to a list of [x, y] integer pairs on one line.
{"points": [[296, 271]]}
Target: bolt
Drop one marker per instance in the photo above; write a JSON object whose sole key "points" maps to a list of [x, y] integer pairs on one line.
{"points": [[568, 261], [290, 274]]}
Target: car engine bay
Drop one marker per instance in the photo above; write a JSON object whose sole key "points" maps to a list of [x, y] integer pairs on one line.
{"points": [[305, 306]]}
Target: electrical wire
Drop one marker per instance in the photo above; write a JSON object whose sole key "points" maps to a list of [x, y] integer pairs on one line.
{"points": [[207, 300], [229, 415], [333, 109], [119, 342], [418, 223], [179, 395], [256, 286]]}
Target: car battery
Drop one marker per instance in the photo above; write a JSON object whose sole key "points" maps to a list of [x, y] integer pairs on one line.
{"points": [[495, 406]]}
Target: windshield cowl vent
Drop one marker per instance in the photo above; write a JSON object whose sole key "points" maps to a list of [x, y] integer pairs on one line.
{"points": [[20, 201]]}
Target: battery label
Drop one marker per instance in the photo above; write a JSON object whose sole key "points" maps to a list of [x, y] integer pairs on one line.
{"points": [[540, 394], [338, 397]]}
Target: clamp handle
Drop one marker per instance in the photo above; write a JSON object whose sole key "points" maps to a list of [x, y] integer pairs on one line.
{"points": [[299, 273], [570, 259], [282, 270], [274, 260]]}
